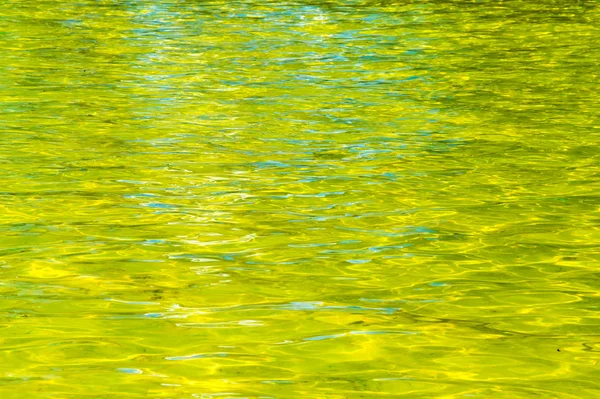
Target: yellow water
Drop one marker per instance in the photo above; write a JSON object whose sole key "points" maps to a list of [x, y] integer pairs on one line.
{"points": [[350, 199]]}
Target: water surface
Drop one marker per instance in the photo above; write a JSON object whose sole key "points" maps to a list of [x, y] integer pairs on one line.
{"points": [[350, 199]]}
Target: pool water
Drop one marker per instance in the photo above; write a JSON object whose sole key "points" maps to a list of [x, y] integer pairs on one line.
{"points": [[302, 199]]}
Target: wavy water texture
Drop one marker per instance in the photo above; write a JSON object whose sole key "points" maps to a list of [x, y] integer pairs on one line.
{"points": [[350, 199]]}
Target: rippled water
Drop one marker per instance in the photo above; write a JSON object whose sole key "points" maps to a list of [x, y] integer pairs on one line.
{"points": [[351, 199]]}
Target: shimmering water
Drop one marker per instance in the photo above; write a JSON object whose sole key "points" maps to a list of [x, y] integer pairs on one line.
{"points": [[350, 199]]}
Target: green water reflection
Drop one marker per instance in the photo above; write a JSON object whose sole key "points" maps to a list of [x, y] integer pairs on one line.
{"points": [[352, 199]]}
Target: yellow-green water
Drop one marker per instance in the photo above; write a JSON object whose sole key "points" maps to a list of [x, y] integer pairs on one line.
{"points": [[350, 199]]}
